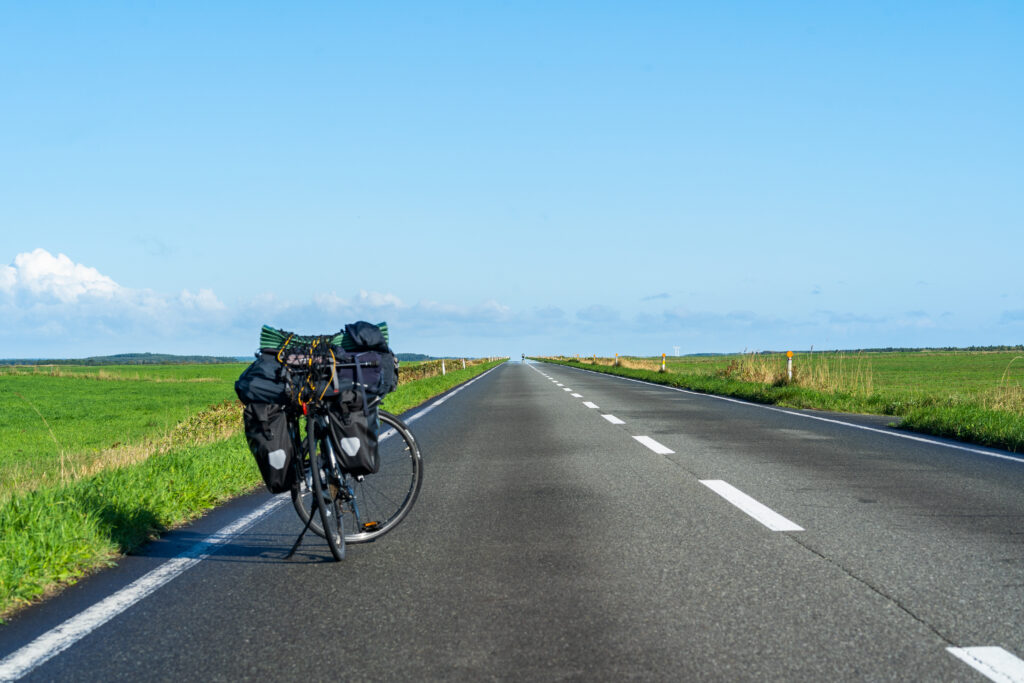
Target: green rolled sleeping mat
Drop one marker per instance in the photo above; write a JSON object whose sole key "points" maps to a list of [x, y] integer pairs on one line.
{"points": [[273, 338]]}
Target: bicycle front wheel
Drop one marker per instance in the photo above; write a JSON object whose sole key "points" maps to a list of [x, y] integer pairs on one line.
{"points": [[378, 502], [324, 495]]}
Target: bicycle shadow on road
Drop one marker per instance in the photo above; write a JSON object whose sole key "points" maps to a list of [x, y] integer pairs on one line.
{"points": [[256, 548]]}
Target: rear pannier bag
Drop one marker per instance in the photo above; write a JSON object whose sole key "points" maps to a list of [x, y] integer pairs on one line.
{"points": [[266, 430], [353, 436]]}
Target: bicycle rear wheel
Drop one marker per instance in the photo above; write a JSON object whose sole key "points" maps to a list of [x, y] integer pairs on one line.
{"points": [[324, 496], [376, 504]]}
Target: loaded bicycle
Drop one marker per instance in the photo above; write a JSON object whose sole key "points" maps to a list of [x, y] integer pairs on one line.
{"points": [[314, 424]]}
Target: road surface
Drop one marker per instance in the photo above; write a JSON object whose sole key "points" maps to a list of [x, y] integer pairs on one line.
{"points": [[581, 526]]}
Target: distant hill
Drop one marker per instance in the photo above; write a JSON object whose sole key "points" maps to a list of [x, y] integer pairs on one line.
{"points": [[423, 356], [158, 359], [413, 356], [122, 359]]}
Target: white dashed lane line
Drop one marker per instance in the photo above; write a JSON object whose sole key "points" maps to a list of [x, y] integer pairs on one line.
{"points": [[654, 445], [762, 513], [994, 662], [566, 389]]}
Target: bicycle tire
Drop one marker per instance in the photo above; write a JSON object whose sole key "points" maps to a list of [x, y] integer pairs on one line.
{"points": [[380, 501], [326, 500]]}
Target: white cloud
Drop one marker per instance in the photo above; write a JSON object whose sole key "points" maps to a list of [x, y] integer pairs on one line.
{"points": [[496, 308], [8, 278], [331, 302], [205, 300], [50, 302], [41, 274], [378, 300]]}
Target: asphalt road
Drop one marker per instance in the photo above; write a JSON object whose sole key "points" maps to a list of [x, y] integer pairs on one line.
{"points": [[550, 543]]}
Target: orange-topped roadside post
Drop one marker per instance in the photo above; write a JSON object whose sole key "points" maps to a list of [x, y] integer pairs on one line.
{"points": [[789, 365]]}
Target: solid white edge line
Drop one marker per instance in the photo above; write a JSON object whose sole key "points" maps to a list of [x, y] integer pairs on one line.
{"points": [[898, 435], [654, 445], [614, 420], [63, 636], [762, 513], [438, 402], [589, 404], [994, 662]]}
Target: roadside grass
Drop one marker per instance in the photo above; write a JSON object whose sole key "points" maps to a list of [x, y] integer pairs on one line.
{"points": [[977, 397], [411, 393], [56, 428], [200, 372], [53, 535], [54, 531]]}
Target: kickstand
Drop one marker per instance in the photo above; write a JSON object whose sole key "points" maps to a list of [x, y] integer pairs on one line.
{"points": [[313, 509]]}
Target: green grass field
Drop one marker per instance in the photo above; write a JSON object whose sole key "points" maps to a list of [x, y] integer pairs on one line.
{"points": [[226, 372], [96, 461], [927, 373], [56, 427], [973, 396]]}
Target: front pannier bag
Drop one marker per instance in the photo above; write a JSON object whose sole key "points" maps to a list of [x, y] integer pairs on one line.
{"points": [[353, 436], [266, 430]]}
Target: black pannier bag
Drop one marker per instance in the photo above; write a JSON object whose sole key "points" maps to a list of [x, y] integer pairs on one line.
{"points": [[353, 435], [375, 374], [266, 430], [267, 386], [263, 381], [364, 336]]}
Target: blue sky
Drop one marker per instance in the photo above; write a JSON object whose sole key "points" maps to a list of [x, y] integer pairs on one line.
{"points": [[498, 178]]}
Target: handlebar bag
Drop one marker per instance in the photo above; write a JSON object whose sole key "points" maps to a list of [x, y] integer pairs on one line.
{"points": [[266, 430], [353, 435]]}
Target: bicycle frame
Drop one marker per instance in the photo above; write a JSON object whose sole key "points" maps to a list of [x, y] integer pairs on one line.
{"points": [[352, 508]]}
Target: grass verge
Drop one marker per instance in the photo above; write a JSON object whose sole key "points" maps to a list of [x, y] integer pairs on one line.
{"points": [[411, 394], [53, 535], [947, 417]]}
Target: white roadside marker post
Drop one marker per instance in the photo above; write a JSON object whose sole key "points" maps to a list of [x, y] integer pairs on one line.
{"points": [[789, 365], [663, 362], [443, 373]]}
